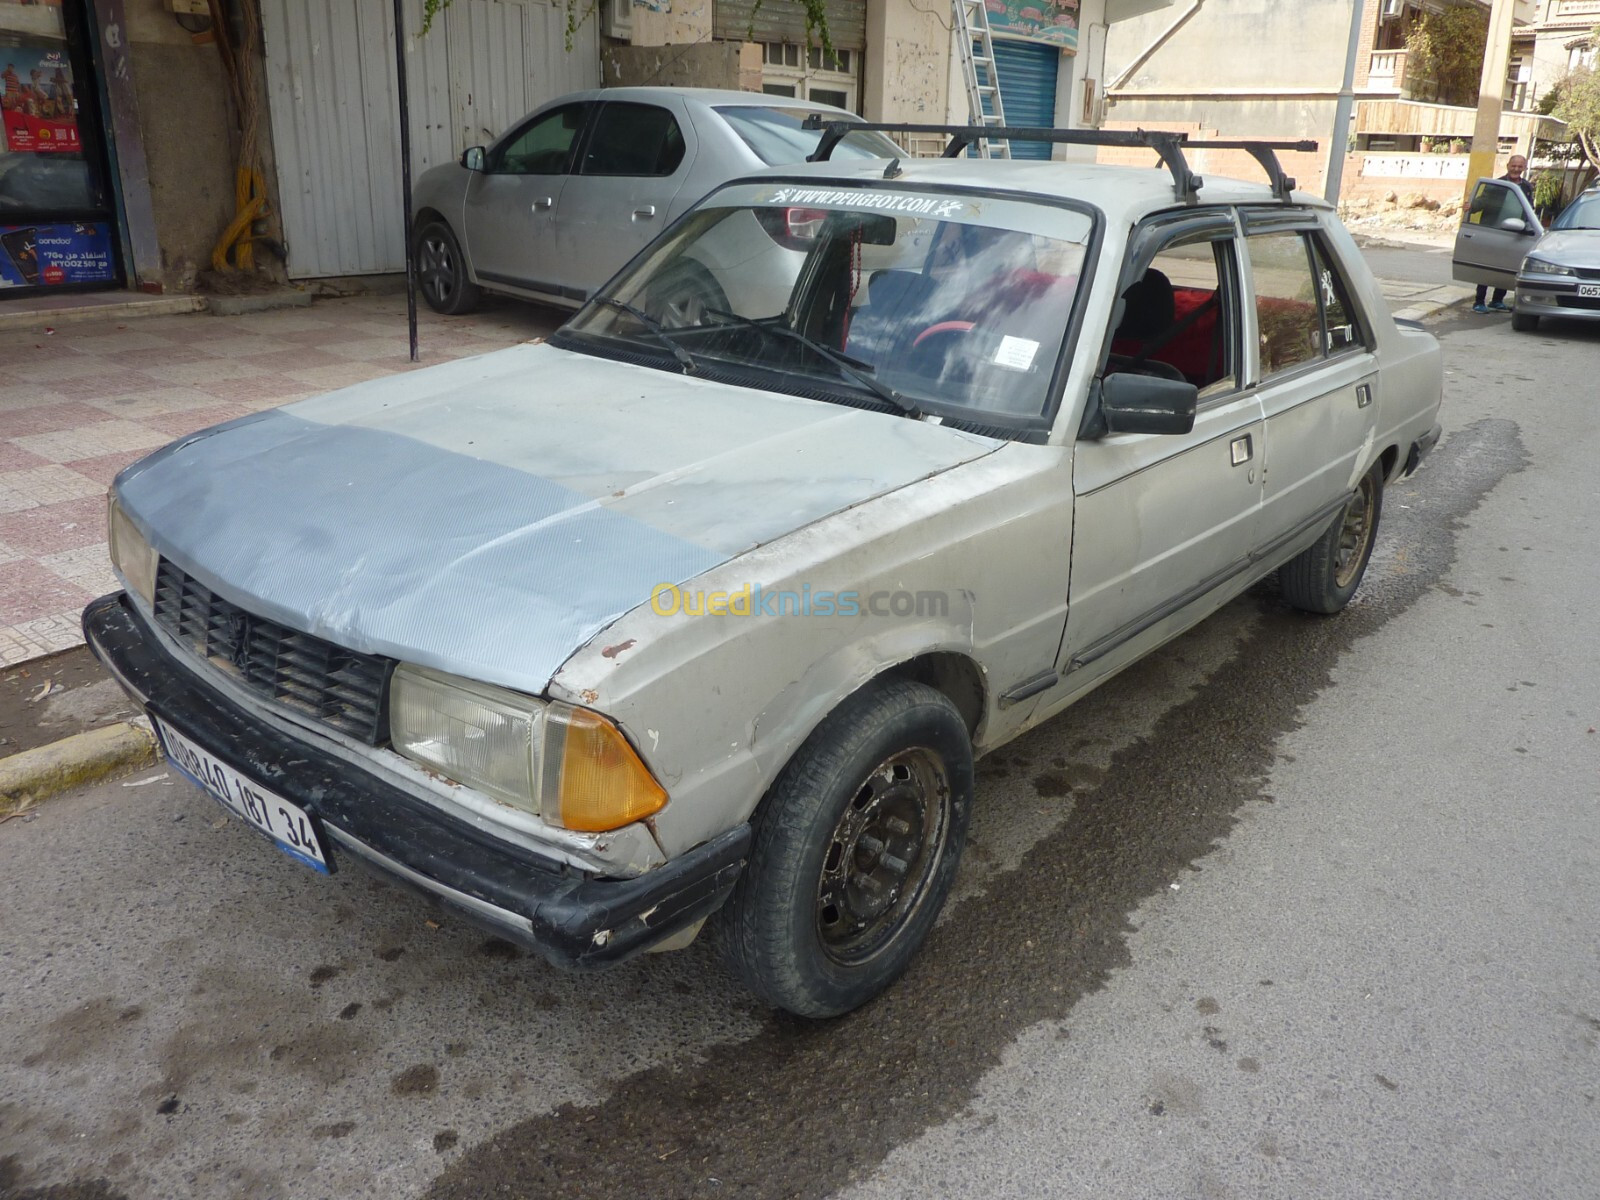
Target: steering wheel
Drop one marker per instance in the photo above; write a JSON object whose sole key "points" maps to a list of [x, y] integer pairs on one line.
{"points": [[942, 329]]}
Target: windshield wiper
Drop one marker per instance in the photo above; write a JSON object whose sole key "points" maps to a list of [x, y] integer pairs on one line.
{"points": [[655, 328], [853, 368]]}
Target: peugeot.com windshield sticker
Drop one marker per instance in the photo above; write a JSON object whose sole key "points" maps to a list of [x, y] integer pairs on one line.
{"points": [[885, 202], [1016, 353]]}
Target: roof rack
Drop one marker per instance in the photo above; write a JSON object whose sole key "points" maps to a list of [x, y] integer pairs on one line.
{"points": [[1167, 144]]}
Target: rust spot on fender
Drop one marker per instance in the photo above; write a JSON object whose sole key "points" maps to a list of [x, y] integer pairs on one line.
{"points": [[589, 695], [613, 651]]}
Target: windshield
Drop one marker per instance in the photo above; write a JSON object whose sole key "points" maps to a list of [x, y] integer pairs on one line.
{"points": [[1582, 213], [930, 303], [776, 137]]}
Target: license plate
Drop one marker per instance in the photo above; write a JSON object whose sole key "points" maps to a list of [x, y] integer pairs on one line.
{"points": [[1589, 289], [290, 826]]}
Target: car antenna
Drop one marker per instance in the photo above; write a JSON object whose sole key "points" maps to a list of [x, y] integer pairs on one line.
{"points": [[893, 171]]}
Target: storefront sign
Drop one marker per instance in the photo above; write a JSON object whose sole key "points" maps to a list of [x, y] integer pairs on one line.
{"points": [[46, 255], [37, 101], [1053, 21]]}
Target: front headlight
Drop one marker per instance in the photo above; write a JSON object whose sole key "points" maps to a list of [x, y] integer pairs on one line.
{"points": [[1541, 266], [132, 556], [570, 766]]}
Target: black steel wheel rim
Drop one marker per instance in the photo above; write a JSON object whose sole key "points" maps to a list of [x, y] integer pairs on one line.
{"points": [[883, 855]]}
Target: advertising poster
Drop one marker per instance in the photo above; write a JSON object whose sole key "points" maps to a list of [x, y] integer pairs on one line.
{"points": [[47, 255], [1053, 21], [36, 99]]}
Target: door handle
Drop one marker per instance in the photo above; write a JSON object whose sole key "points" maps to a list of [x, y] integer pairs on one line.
{"points": [[1241, 448], [645, 213], [543, 203], [1363, 395]]}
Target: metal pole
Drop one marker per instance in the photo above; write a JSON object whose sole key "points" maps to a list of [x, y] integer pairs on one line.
{"points": [[405, 172], [1341, 114], [1491, 95]]}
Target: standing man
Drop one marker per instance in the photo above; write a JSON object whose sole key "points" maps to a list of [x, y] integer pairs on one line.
{"points": [[1517, 173]]}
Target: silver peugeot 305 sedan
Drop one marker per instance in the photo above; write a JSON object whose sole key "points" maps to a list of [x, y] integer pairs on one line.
{"points": [[649, 625], [553, 207]]}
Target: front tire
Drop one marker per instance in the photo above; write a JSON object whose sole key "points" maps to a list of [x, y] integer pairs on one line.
{"points": [[1323, 577], [1524, 322], [442, 271], [855, 850]]}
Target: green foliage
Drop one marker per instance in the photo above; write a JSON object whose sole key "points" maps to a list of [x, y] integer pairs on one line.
{"points": [[1579, 107], [1547, 191], [1447, 49]]}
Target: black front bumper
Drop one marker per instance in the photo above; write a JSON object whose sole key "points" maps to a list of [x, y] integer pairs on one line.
{"points": [[571, 918]]}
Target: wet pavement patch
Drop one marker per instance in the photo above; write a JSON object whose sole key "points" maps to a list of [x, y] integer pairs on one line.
{"points": [[804, 1107]]}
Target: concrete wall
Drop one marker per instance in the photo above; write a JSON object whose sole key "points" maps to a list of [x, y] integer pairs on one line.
{"points": [[187, 131], [735, 65], [1235, 44], [908, 65], [685, 23]]}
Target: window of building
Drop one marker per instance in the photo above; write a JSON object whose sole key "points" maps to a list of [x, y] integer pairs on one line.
{"points": [[805, 73]]}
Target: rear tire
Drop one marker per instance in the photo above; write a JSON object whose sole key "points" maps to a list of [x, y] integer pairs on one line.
{"points": [[442, 271], [1524, 322], [680, 297], [1323, 577], [856, 846]]}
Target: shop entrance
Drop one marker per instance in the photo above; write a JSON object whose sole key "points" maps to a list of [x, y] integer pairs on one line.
{"points": [[58, 228]]}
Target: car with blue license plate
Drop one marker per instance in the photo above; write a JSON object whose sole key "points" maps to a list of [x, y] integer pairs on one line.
{"points": [[699, 620]]}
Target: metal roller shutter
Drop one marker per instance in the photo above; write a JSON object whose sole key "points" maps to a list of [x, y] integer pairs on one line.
{"points": [[785, 21], [1027, 74]]}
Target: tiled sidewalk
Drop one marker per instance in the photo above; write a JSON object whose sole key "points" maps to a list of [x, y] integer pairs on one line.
{"points": [[79, 404]]}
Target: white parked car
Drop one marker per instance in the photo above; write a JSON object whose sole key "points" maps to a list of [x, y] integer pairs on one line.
{"points": [[597, 639]]}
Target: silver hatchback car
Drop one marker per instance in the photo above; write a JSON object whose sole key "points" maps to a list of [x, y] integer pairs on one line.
{"points": [[575, 189], [597, 639]]}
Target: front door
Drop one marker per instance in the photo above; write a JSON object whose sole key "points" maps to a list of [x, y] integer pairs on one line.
{"points": [[511, 204], [1174, 516], [1497, 230], [634, 164]]}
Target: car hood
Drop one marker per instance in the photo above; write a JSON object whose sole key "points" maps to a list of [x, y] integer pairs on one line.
{"points": [[1570, 247], [489, 516]]}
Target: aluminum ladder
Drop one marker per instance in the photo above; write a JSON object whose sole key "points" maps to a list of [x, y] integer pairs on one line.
{"points": [[978, 68]]}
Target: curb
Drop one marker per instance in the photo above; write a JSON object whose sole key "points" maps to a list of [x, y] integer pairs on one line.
{"points": [[35, 775], [1429, 308]]}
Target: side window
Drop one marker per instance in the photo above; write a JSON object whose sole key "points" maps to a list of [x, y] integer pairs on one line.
{"points": [[634, 139], [543, 147], [1180, 318], [1492, 203], [1287, 318], [1341, 331]]}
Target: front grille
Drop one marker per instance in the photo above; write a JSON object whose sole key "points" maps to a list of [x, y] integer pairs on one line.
{"points": [[1588, 272], [340, 687]]}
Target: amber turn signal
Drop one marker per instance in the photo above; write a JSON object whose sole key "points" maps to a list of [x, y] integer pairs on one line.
{"points": [[600, 782]]}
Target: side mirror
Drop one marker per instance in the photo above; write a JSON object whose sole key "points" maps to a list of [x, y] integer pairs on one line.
{"points": [[1514, 225], [472, 158], [1147, 404]]}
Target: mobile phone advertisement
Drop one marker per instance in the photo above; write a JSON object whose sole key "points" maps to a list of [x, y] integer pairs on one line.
{"points": [[48, 255]]}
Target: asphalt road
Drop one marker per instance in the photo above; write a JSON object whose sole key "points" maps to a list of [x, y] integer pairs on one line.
{"points": [[1296, 907]]}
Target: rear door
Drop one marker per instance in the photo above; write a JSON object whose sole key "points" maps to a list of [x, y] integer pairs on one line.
{"points": [[510, 207], [1497, 230], [1315, 373], [633, 163]]}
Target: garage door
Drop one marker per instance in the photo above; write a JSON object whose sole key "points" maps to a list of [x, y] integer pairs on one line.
{"points": [[1027, 74], [330, 76]]}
